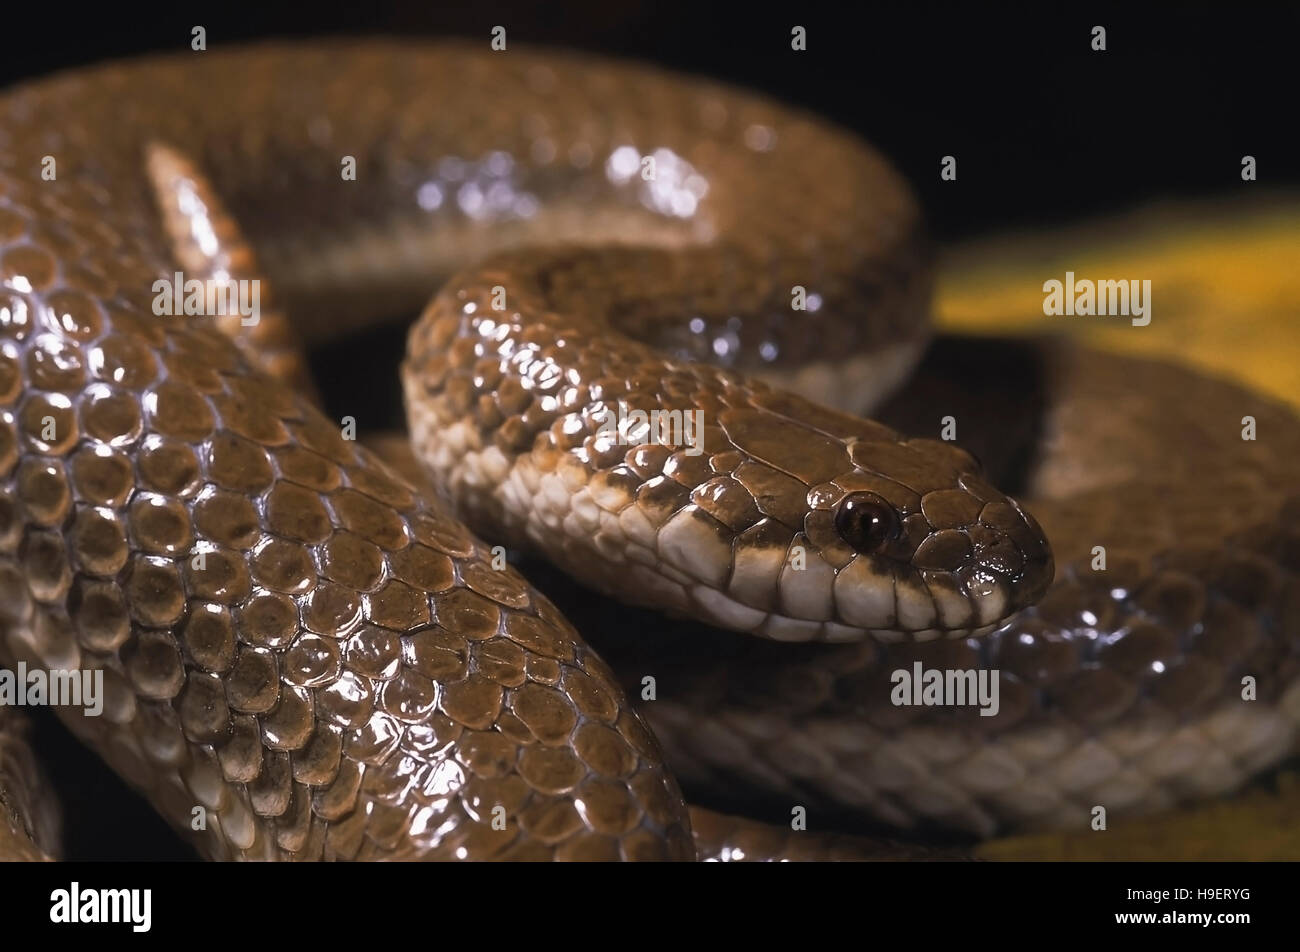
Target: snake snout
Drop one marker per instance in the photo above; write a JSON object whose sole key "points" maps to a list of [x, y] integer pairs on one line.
{"points": [[1010, 564], [945, 556], [941, 579]]}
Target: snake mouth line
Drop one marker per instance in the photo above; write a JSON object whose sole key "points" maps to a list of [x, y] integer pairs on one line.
{"points": [[871, 603]]}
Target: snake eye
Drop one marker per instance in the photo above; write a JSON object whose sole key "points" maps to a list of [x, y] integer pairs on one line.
{"points": [[866, 522]]}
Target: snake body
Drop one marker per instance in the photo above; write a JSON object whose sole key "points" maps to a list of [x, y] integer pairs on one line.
{"points": [[349, 672]]}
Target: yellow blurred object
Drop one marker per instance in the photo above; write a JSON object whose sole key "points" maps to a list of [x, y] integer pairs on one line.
{"points": [[1225, 286], [1261, 825]]}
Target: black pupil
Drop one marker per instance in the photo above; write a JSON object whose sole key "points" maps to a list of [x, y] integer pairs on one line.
{"points": [[865, 521]]}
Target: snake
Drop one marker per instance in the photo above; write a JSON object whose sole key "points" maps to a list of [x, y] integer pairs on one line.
{"points": [[307, 654]]}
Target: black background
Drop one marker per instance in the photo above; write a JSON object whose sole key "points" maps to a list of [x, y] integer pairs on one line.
{"points": [[1045, 131]]}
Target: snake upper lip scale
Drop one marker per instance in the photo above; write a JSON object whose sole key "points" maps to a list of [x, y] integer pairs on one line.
{"points": [[308, 648]]}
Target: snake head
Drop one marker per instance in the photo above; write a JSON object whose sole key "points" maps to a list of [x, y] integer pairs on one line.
{"points": [[833, 537], [930, 549]]}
